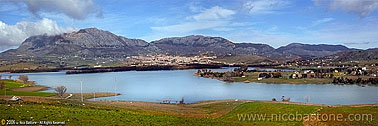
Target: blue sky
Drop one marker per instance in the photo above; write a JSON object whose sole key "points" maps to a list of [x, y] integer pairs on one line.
{"points": [[353, 23]]}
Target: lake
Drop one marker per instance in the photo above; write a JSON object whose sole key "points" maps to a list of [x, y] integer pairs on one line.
{"points": [[155, 86]]}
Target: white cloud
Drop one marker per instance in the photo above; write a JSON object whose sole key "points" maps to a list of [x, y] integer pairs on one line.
{"points": [[214, 13], [360, 7], [190, 26], [268, 36], [76, 9], [208, 19], [321, 21], [364, 33], [14, 35], [264, 6], [357, 35]]}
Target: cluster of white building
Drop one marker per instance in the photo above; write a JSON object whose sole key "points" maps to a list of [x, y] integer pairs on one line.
{"points": [[171, 60]]}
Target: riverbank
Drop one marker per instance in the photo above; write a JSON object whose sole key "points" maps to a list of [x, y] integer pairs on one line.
{"points": [[80, 70], [254, 77], [15, 88], [145, 68]]}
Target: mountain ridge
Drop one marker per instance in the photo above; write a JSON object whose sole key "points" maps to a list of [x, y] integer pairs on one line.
{"points": [[93, 42], [356, 55]]}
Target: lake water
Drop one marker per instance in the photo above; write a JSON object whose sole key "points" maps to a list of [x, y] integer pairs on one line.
{"points": [[156, 86]]}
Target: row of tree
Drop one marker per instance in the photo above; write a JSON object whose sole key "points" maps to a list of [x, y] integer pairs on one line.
{"points": [[226, 76], [341, 80]]}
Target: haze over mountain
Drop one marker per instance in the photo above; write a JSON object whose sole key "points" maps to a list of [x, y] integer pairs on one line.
{"points": [[92, 42]]}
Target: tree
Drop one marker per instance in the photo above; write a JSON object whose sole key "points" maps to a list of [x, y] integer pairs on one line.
{"points": [[227, 76], [244, 68], [61, 90], [2, 85], [31, 83], [23, 78]]}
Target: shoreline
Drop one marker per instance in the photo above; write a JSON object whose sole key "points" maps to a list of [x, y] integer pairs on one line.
{"points": [[253, 77], [87, 97], [72, 70], [264, 81]]}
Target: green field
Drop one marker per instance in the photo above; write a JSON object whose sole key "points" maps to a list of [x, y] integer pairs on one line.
{"points": [[91, 114], [10, 84], [266, 110]]}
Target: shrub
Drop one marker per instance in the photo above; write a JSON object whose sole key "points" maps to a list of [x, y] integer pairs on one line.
{"points": [[23, 78], [2, 85], [227, 76]]}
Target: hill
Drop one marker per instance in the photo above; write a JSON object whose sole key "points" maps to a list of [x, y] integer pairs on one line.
{"points": [[311, 51], [197, 44], [359, 55]]}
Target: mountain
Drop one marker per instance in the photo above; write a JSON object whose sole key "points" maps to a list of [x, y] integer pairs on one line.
{"points": [[311, 51], [197, 44], [359, 55], [90, 42]]}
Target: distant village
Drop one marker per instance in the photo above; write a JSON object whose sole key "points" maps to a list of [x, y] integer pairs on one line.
{"points": [[169, 60]]}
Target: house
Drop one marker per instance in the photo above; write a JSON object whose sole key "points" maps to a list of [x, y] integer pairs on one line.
{"points": [[264, 75], [294, 76], [270, 75]]}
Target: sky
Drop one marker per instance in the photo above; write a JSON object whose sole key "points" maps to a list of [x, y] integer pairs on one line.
{"points": [[353, 23]]}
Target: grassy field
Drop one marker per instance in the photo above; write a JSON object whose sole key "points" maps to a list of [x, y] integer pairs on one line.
{"points": [[93, 114], [266, 110], [352, 113], [252, 77], [11, 84]]}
